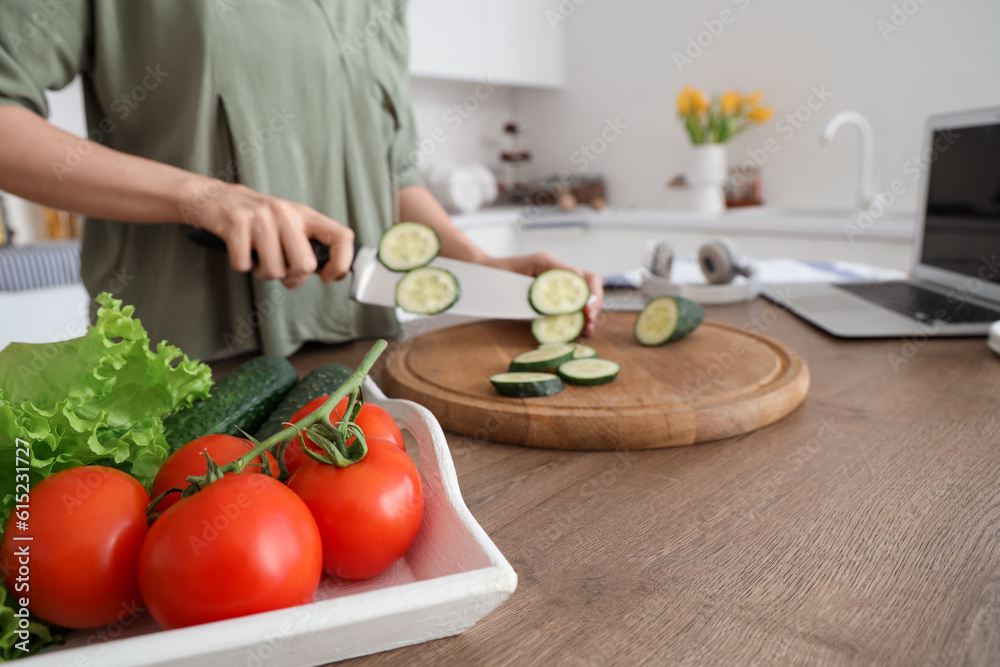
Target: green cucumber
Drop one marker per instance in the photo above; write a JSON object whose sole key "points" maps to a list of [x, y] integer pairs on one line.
{"points": [[427, 291], [408, 245], [321, 381], [243, 398], [583, 351], [558, 292], [666, 319], [526, 385], [588, 371], [579, 351], [558, 328], [541, 359]]}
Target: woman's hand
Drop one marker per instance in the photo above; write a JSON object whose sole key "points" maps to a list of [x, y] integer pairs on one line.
{"points": [[279, 230], [532, 265], [118, 186]]}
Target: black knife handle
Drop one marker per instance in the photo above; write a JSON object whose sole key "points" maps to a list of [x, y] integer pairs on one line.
{"points": [[207, 239]]}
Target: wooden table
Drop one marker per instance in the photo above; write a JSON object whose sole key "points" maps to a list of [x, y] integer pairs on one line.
{"points": [[862, 529]]}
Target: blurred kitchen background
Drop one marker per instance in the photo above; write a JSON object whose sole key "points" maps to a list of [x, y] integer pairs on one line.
{"points": [[531, 89], [566, 72]]}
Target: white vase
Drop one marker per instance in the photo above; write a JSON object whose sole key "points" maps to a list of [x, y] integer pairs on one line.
{"points": [[705, 177]]}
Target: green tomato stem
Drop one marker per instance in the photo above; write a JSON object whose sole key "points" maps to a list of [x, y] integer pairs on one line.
{"points": [[319, 416]]}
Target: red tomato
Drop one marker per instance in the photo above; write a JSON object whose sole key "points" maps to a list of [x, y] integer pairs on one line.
{"points": [[87, 525], [373, 421], [242, 545], [368, 513], [188, 461]]}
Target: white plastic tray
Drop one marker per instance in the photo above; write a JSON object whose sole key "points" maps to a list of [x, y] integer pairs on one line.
{"points": [[452, 576]]}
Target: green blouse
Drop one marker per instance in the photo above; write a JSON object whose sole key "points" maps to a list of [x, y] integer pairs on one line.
{"points": [[303, 100]]}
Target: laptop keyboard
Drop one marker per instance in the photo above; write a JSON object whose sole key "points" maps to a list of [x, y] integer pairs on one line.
{"points": [[921, 304]]}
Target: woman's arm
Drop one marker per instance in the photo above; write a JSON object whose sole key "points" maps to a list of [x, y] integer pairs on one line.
{"points": [[110, 184], [417, 204]]}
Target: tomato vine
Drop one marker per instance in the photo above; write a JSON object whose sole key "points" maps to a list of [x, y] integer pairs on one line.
{"points": [[331, 438]]}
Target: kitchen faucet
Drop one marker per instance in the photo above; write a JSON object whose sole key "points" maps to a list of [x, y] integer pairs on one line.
{"points": [[865, 129]]}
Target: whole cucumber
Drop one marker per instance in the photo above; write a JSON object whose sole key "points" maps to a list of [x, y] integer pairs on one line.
{"points": [[244, 398], [322, 381]]}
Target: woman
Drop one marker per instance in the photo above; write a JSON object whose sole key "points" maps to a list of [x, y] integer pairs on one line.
{"points": [[265, 122]]}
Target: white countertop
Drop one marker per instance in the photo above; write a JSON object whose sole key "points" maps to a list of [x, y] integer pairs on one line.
{"points": [[891, 226]]}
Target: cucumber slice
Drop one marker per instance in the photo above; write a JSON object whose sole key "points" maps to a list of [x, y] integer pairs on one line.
{"points": [[579, 351], [408, 245], [666, 319], [526, 385], [583, 351], [558, 292], [427, 290], [542, 358], [589, 371], [557, 328]]}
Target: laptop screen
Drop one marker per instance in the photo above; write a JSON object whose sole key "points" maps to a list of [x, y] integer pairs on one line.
{"points": [[962, 228]]}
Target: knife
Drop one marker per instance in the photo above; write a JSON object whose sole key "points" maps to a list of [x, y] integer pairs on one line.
{"points": [[483, 291]]}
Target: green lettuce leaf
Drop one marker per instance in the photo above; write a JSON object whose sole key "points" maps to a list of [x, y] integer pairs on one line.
{"points": [[13, 645], [97, 399]]}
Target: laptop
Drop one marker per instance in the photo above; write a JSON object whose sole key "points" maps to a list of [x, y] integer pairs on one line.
{"points": [[954, 288]]}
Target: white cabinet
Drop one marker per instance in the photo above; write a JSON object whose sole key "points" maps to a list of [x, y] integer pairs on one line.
{"points": [[607, 250], [524, 46], [615, 240], [508, 42], [446, 40]]}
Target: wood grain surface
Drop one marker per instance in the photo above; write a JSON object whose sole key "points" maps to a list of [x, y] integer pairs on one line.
{"points": [[862, 529], [718, 382]]}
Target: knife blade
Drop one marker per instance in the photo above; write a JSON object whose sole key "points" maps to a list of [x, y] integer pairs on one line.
{"points": [[483, 291]]}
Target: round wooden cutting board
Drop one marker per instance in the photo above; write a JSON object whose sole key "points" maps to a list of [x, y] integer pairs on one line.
{"points": [[718, 382]]}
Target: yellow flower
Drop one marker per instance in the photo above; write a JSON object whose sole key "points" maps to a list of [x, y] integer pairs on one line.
{"points": [[684, 101], [691, 100], [699, 101], [731, 102], [752, 99], [760, 114]]}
